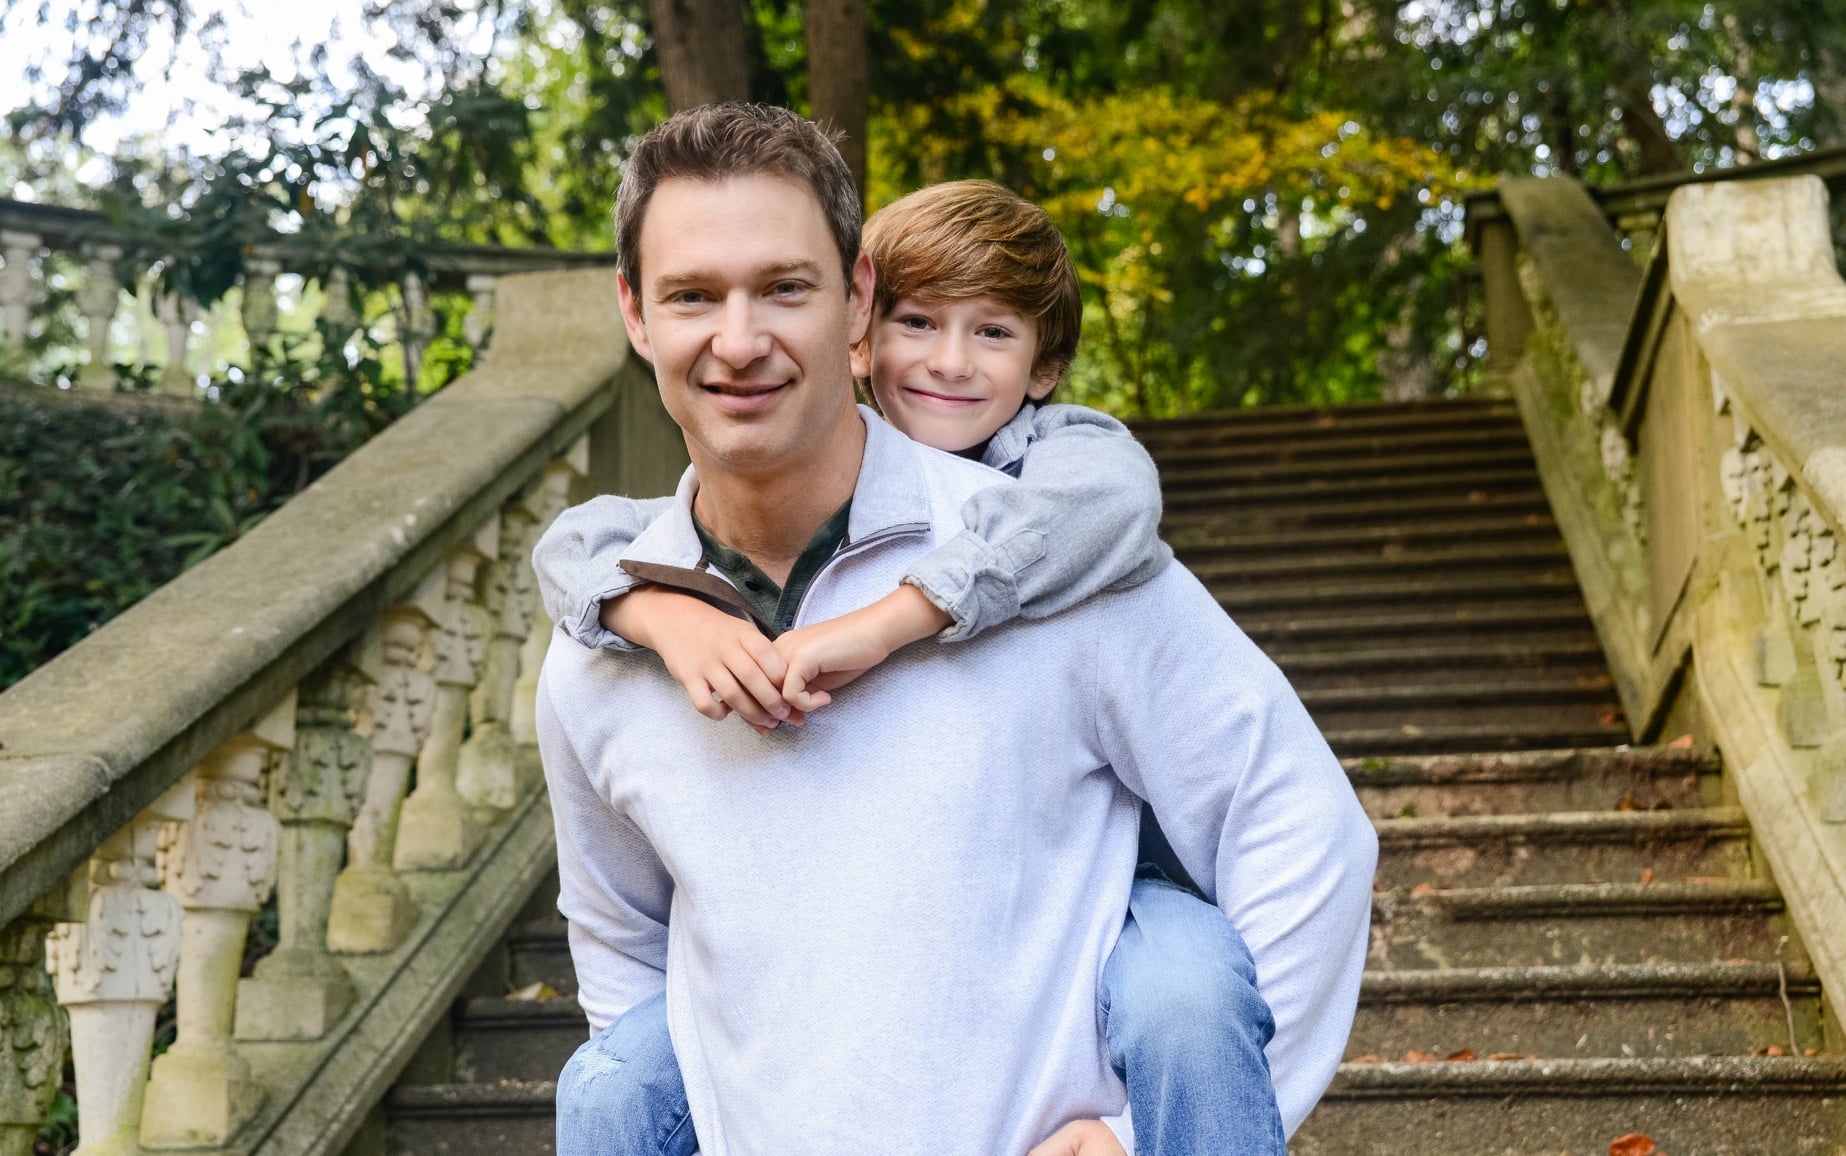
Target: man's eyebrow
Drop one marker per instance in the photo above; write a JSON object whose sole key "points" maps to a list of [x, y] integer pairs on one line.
{"points": [[672, 282]]}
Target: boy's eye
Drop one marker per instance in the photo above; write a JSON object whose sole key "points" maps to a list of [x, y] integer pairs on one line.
{"points": [[913, 321], [994, 332]]}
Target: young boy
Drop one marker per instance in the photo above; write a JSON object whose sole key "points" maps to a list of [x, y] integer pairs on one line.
{"points": [[975, 317]]}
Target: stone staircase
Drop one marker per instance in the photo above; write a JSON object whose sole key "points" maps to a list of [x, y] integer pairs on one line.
{"points": [[1572, 940]]}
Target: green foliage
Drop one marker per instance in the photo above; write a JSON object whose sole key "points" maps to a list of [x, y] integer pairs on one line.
{"points": [[101, 503]]}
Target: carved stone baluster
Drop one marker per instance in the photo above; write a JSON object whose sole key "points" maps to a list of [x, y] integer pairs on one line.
{"points": [[438, 830], [413, 327], [259, 304], [33, 1036], [480, 317], [372, 909], [176, 316], [221, 866], [98, 298], [491, 772], [18, 291], [546, 502], [299, 990], [115, 970]]}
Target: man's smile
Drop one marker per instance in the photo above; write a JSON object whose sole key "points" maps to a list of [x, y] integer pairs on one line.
{"points": [[744, 396]]}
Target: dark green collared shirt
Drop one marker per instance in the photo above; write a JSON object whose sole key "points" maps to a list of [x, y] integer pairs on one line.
{"points": [[776, 605]]}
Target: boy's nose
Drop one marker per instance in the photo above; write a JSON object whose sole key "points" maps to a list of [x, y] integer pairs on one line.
{"points": [[949, 358]]}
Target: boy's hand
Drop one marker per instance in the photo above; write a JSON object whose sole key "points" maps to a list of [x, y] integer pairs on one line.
{"points": [[830, 654], [724, 663], [1081, 1138]]}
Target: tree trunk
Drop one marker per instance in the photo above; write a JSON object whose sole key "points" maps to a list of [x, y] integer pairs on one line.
{"points": [[837, 85], [701, 46]]}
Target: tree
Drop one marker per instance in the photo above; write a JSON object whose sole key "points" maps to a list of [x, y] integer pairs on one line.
{"points": [[701, 47]]}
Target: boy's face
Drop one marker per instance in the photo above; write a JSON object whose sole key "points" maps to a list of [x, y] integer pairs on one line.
{"points": [[950, 373]]}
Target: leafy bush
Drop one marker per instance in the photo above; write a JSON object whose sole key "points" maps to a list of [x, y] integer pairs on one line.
{"points": [[101, 502]]}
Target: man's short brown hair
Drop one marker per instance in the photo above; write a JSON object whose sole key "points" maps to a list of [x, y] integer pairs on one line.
{"points": [[716, 142], [965, 239]]}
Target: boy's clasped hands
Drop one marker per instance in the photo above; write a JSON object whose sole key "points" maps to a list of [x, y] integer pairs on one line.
{"points": [[727, 665]]}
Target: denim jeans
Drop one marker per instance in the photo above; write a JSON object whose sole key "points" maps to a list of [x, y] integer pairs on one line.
{"points": [[1181, 1014]]}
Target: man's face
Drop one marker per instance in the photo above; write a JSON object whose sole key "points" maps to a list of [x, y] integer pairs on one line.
{"points": [[950, 373], [743, 310]]}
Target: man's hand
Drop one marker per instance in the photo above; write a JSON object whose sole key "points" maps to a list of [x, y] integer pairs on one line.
{"points": [[830, 654], [724, 663], [1081, 1138]]}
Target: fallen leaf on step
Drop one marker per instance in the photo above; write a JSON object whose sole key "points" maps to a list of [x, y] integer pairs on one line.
{"points": [[1607, 718], [1633, 1144], [1647, 876], [1807, 1051], [1463, 1056], [1708, 880], [1502, 1057], [1411, 729], [1423, 889], [1771, 1050], [1476, 497], [1371, 1059], [1628, 803], [1682, 743], [534, 993], [1415, 1057]]}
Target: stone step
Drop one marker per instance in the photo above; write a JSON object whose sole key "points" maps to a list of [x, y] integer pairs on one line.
{"points": [[1744, 1106], [1253, 417], [508, 1039], [1427, 786], [1347, 510], [491, 1119], [1551, 925], [1242, 598], [1405, 445], [1355, 542], [1563, 847], [1218, 563], [1651, 1010], [1489, 659], [1430, 625], [1293, 423], [541, 954], [1206, 473], [1444, 737], [1339, 489]]}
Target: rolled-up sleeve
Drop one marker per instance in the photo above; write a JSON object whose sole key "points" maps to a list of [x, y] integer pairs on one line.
{"points": [[578, 563], [1083, 517]]}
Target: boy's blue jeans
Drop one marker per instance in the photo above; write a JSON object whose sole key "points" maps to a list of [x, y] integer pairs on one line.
{"points": [[1180, 1010]]}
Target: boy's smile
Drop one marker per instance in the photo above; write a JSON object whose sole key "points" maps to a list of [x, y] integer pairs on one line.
{"points": [[950, 373]]}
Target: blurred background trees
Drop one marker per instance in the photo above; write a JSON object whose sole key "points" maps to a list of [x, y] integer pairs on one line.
{"points": [[1263, 194]]}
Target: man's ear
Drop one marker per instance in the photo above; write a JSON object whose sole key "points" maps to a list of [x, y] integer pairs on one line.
{"points": [[632, 320], [860, 357], [859, 301]]}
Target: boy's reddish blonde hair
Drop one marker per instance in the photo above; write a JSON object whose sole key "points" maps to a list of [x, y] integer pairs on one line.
{"points": [[965, 239]]}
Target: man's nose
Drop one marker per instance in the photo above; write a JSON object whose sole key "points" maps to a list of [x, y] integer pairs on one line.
{"points": [[948, 357], [741, 339]]}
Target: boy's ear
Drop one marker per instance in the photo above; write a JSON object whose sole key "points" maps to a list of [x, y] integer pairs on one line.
{"points": [[632, 319], [1044, 380]]}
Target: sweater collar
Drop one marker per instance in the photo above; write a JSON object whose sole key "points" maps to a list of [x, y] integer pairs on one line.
{"points": [[890, 496]]}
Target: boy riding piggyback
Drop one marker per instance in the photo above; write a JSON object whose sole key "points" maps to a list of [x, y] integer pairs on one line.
{"points": [[976, 313]]}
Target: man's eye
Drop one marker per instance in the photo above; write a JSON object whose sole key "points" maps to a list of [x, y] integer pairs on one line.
{"points": [[687, 297], [790, 288]]}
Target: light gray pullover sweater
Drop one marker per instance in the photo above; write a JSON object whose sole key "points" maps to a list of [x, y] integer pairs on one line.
{"points": [[884, 932]]}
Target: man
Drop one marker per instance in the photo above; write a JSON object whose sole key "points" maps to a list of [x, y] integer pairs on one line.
{"points": [[884, 932]]}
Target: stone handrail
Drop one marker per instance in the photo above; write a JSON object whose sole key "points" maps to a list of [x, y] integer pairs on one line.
{"points": [[1689, 421], [253, 725], [29, 231]]}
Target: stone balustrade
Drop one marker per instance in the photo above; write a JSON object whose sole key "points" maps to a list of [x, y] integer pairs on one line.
{"points": [[125, 316], [1689, 422], [251, 729]]}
